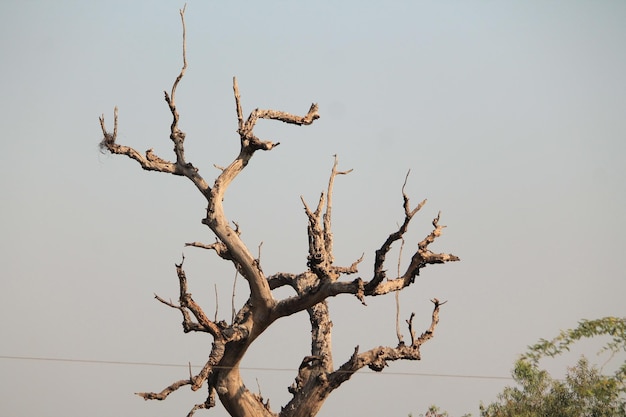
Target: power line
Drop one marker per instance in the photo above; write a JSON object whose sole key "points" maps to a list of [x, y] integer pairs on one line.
{"points": [[92, 361], [263, 369]]}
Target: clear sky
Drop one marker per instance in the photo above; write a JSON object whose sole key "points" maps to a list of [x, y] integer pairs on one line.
{"points": [[510, 115]]}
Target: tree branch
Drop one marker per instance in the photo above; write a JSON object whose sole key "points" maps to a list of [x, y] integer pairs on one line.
{"points": [[319, 230], [216, 219], [177, 136], [328, 235], [284, 117], [281, 279], [315, 381], [376, 359], [187, 305], [160, 396], [217, 353], [188, 324], [238, 104], [381, 254], [152, 162], [320, 258], [219, 248], [352, 269]]}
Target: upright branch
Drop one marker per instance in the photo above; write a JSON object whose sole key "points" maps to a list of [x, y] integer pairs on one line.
{"points": [[317, 377], [238, 105], [328, 235], [177, 136]]}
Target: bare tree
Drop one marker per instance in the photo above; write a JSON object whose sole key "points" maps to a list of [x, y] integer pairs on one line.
{"points": [[317, 375]]}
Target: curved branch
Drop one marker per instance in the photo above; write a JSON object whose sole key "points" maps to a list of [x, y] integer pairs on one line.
{"points": [[216, 219], [217, 353], [281, 279], [377, 358]]}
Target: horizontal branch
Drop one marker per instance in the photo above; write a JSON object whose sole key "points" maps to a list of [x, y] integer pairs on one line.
{"points": [[284, 117], [316, 294], [219, 248], [249, 142], [160, 396]]}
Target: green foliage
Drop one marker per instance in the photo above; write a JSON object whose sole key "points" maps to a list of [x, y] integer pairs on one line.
{"points": [[433, 411], [585, 392], [607, 326]]}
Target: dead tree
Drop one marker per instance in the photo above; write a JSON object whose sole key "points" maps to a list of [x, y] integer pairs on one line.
{"points": [[317, 375]]}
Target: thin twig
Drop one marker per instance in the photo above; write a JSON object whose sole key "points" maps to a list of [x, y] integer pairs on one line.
{"points": [[184, 68], [232, 299], [259, 386], [176, 135], [398, 332], [216, 303], [411, 329]]}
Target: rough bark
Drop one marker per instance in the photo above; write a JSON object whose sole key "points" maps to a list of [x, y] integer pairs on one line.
{"points": [[317, 377]]}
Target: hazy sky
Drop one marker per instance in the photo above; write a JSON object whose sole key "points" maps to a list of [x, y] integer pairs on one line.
{"points": [[510, 115]]}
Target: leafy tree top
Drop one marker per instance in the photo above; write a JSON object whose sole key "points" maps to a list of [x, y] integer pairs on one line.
{"points": [[585, 391]]}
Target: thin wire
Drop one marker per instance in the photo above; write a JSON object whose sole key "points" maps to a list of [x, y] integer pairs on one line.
{"points": [[265, 369]]}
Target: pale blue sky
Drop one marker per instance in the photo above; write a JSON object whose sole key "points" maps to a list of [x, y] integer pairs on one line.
{"points": [[510, 115]]}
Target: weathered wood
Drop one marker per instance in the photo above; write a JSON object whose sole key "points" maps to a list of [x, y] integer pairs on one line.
{"points": [[322, 279]]}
